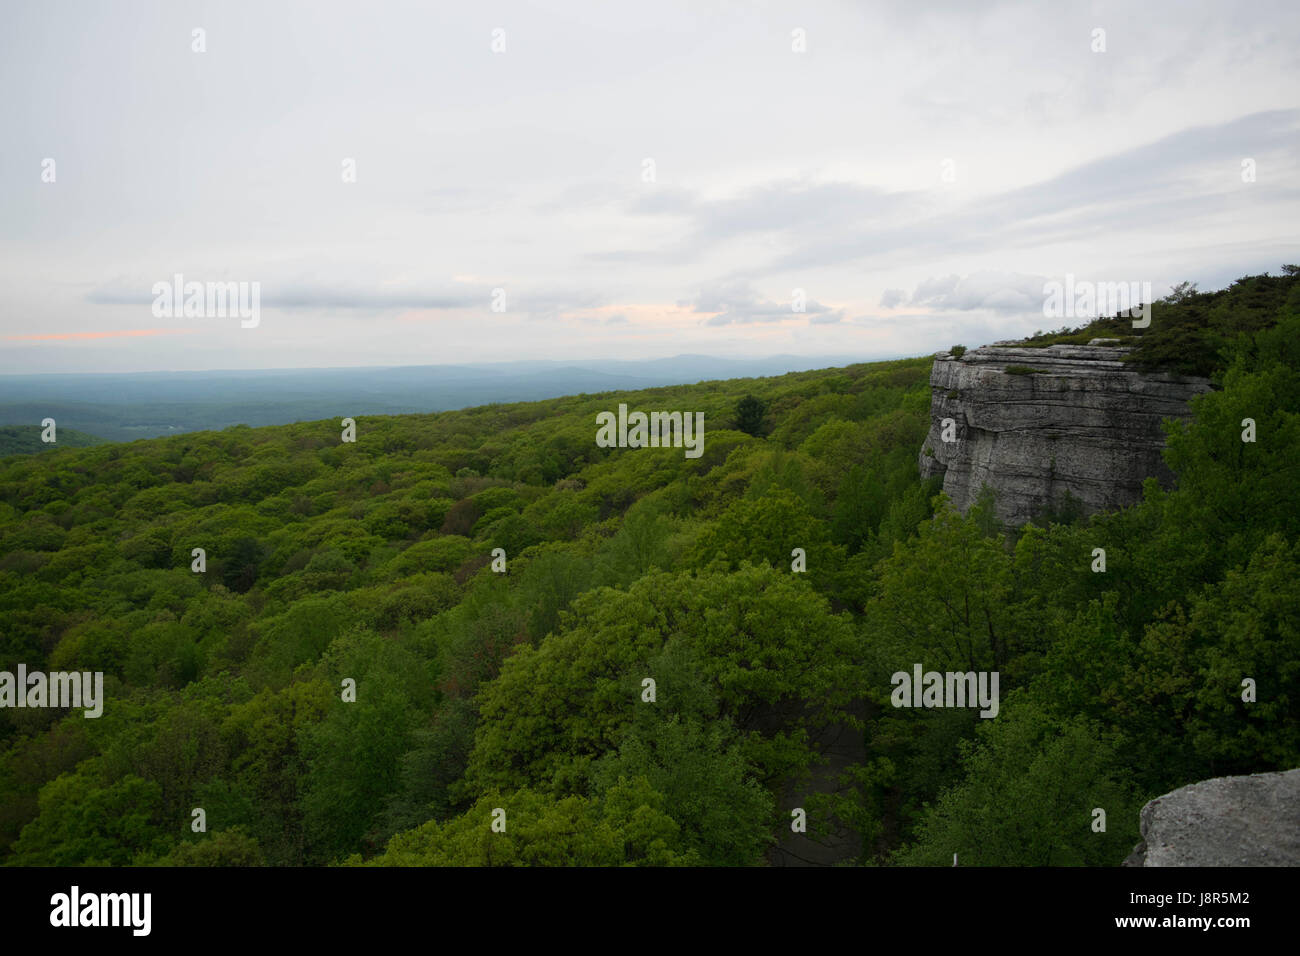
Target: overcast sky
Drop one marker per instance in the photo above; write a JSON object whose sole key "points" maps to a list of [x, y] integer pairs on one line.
{"points": [[919, 171]]}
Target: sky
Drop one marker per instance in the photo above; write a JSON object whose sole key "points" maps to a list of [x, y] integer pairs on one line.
{"points": [[431, 183]]}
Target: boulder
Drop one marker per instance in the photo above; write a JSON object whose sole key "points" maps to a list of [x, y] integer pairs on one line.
{"points": [[1228, 821]]}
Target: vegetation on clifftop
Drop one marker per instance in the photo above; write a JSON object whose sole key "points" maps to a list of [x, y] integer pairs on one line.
{"points": [[1192, 333]]}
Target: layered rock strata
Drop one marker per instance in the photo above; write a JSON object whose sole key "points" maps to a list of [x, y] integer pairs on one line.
{"points": [[1045, 426]]}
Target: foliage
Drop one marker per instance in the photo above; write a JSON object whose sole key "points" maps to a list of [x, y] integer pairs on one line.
{"points": [[1191, 332], [521, 687], [627, 826], [749, 415], [26, 440], [1028, 796]]}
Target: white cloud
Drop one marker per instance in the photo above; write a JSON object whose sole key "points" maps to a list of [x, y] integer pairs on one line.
{"points": [[999, 292], [892, 298]]}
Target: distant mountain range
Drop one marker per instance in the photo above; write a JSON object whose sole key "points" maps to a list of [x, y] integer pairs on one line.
{"points": [[122, 406]]}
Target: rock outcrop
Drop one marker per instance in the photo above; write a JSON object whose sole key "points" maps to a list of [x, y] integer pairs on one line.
{"points": [[1228, 821], [1044, 426]]}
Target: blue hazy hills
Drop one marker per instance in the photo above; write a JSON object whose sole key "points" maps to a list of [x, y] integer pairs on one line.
{"points": [[121, 406]]}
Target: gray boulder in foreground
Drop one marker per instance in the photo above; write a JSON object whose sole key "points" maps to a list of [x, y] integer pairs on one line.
{"points": [[1228, 821]]}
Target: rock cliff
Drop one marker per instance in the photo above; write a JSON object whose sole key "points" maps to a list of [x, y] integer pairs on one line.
{"points": [[1043, 425], [1227, 821]]}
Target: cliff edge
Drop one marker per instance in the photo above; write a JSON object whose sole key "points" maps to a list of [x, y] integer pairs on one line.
{"points": [[1043, 426]]}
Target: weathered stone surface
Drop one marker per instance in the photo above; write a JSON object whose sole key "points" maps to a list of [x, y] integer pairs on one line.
{"points": [[1227, 821], [1082, 423]]}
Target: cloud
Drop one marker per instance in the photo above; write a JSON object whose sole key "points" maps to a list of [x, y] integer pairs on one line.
{"points": [[794, 207], [309, 295], [379, 297], [114, 334], [815, 223], [820, 171], [1000, 292], [336, 297], [934, 288], [734, 302], [554, 305], [1176, 180], [788, 211]]}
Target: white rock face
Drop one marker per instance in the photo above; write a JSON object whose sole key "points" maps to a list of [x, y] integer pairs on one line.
{"points": [[1228, 821], [1081, 424]]}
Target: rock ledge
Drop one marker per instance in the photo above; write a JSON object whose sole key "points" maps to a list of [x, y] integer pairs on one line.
{"points": [[1043, 425]]}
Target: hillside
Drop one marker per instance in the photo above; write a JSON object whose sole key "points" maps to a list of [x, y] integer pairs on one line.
{"points": [[26, 440], [524, 690]]}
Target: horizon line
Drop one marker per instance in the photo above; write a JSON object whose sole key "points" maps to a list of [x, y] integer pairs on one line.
{"points": [[845, 359]]}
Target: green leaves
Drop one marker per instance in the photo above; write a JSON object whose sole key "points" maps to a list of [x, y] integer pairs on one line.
{"points": [[1028, 798], [1191, 666], [750, 412], [945, 600], [767, 529], [85, 821], [627, 826], [764, 645], [726, 816]]}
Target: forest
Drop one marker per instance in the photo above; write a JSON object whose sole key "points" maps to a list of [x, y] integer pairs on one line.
{"points": [[390, 644]]}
